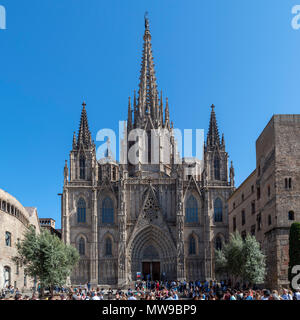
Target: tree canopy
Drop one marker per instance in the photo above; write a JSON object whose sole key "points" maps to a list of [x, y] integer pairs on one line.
{"points": [[45, 257], [241, 259]]}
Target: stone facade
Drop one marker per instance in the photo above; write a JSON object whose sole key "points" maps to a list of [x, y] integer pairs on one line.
{"points": [[162, 218], [14, 222], [269, 197]]}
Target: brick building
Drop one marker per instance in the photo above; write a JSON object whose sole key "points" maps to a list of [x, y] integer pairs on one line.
{"points": [[268, 201]]}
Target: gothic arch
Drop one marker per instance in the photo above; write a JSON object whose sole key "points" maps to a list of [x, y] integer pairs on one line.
{"points": [[218, 209], [103, 196], [195, 237], [189, 195], [105, 237], [77, 239], [217, 237], [163, 244]]}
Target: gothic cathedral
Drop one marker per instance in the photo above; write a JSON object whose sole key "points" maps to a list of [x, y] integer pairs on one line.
{"points": [[162, 219]]}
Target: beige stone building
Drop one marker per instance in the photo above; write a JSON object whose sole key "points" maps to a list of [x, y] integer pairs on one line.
{"points": [[14, 222], [49, 224], [268, 201], [164, 218]]}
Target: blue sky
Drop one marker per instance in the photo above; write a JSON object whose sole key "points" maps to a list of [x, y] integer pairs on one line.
{"points": [[242, 56]]}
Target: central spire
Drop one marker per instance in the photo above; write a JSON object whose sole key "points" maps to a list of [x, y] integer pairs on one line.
{"points": [[147, 88]]}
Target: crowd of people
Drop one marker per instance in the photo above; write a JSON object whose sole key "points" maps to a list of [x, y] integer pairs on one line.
{"points": [[155, 290]]}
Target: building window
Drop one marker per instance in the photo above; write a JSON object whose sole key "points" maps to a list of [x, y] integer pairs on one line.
{"points": [[269, 191], [107, 211], [258, 193], [243, 197], [291, 215], [217, 168], [81, 246], [253, 207], [25, 280], [81, 211], [252, 189], [253, 230], [191, 210], [258, 171], [4, 206], [269, 220], [192, 245], [234, 224], [243, 234], [218, 210], [82, 167], [243, 217], [233, 205], [288, 183], [108, 247], [258, 222], [8, 239], [218, 243]]}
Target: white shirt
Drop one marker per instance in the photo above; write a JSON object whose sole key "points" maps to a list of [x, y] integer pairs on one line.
{"points": [[132, 298], [297, 295]]}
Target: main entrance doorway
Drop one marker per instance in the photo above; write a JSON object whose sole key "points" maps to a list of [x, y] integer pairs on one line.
{"points": [[151, 268]]}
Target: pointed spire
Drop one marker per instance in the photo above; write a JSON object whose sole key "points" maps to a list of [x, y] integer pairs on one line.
{"points": [[147, 86], [167, 115], [161, 109], [84, 135], [223, 141], [74, 140], [231, 174], [213, 138], [129, 120]]}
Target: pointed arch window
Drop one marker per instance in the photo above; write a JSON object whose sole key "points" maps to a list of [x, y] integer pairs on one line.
{"points": [[218, 243], [82, 166], [107, 211], [192, 245], [81, 210], [191, 210], [218, 210], [217, 168], [81, 246], [108, 247]]}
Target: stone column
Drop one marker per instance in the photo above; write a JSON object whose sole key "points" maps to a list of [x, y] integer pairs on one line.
{"points": [[65, 214], [122, 263], [94, 244], [180, 235]]}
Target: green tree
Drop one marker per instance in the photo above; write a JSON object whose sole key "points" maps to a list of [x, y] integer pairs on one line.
{"points": [[294, 247], [46, 257], [254, 265], [241, 260]]}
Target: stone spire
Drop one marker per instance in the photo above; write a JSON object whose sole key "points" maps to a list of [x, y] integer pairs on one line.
{"points": [[167, 115], [74, 140], [129, 120], [161, 110], [147, 85], [84, 136], [213, 138], [231, 174]]}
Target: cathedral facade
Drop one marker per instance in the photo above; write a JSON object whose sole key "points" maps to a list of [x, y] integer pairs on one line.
{"points": [[158, 216]]}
